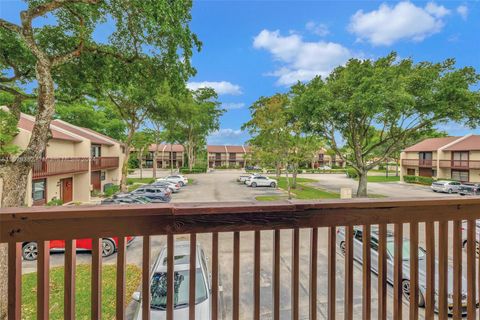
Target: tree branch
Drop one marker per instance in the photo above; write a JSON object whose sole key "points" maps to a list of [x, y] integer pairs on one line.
{"points": [[10, 26]]}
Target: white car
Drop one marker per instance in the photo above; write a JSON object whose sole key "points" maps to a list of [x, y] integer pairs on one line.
{"points": [[446, 186], [158, 283], [177, 178], [175, 187], [244, 177], [261, 181]]}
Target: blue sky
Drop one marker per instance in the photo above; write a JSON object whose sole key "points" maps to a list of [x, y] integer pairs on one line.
{"points": [[256, 48]]}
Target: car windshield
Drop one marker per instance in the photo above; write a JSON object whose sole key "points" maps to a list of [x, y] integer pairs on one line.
{"points": [[158, 289], [405, 251]]}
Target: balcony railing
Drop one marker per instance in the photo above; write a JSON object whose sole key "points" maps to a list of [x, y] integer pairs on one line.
{"points": [[460, 164], [99, 163], [54, 166], [442, 290], [419, 162]]}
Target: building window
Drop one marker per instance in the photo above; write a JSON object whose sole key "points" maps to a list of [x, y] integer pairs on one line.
{"points": [[102, 176], [459, 175], [96, 150], [434, 172], [39, 190], [410, 172]]}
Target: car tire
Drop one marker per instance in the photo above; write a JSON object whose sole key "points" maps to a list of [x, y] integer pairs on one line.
{"points": [[273, 185], [450, 191], [254, 184], [435, 191], [181, 184], [108, 247], [30, 251], [343, 248], [406, 292]]}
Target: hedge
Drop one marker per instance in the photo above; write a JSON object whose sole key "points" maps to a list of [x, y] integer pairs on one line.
{"points": [[194, 170], [419, 180]]}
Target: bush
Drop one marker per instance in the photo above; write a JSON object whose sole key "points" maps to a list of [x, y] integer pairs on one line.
{"points": [[111, 190], [194, 170], [133, 163], [352, 173], [418, 179], [55, 202]]}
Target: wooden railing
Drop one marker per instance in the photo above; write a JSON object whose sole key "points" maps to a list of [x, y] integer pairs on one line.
{"points": [[53, 166], [419, 162], [460, 164], [379, 217], [99, 163]]}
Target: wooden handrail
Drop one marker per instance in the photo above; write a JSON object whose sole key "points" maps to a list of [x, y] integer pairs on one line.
{"points": [[43, 224], [54, 166]]}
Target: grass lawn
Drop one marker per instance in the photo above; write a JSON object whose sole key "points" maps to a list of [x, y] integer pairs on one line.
{"points": [[304, 192], [270, 198], [83, 275], [140, 180], [383, 178]]}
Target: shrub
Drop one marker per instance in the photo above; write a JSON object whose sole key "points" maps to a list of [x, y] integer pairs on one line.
{"points": [[194, 170], [352, 173], [418, 179], [111, 190], [55, 202], [410, 179]]}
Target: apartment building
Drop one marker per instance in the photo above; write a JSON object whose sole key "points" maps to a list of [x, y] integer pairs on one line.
{"points": [[76, 161], [456, 158], [227, 156], [168, 155], [323, 159]]}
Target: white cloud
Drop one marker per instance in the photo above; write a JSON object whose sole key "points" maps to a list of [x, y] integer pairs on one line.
{"points": [[221, 87], [227, 132], [463, 11], [228, 136], [233, 105], [404, 21], [300, 60], [319, 29]]}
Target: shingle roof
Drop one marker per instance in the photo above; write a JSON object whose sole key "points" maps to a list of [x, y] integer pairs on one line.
{"points": [[167, 147], [431, 144], [93, 137], [26, 123], [468, 144], [235, 149], [216, 149]]}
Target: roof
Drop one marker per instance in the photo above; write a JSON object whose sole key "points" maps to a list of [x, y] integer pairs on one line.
{"points": [[91, 135], [102, 135], [469, 143], [26, 122], [235, 149], [216, 149], [431, 144], [167, 147], [228, 148]]}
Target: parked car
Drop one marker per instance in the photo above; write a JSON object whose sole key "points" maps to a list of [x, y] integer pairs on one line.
{"points": [[422, 265], [109, 246], [158, 282], [261, 181], [325, 168], [470, 189], [177, 178], [128, 198], [243, 178], [464, 234], [446, 186], [154, 193], [174, 187]]}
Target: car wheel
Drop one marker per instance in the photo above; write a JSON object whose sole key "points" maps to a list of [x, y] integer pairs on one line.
{"points": [[181, 183], [273, 185], [254, 185], [435, 191], [343, 248], [406, 293], [30, 251], [108, 247], [450, 191]]}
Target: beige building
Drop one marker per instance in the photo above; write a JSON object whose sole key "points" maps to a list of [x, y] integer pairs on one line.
{"points": [[168, 155], [456, 158], [227, 156], [323, 159], [76, 161]]}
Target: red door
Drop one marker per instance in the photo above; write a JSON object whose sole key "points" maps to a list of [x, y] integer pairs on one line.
{"points": [[95, 180], [67, 190]]}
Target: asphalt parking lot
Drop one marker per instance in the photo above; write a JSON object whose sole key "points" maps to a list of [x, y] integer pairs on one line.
{"points": [[222, 186]]}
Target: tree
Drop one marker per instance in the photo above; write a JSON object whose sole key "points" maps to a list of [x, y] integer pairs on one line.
{"points": [[141, 141], [8, 129], [379, 105]]}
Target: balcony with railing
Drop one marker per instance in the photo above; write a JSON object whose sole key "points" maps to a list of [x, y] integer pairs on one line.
{"points": [[99, 163], [460, 164], [285, 223], [427, 163], [55, 166]]}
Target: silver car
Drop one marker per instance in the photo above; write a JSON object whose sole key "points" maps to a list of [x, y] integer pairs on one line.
{"points": [[446, 186], [422, 265], [158, 285]]}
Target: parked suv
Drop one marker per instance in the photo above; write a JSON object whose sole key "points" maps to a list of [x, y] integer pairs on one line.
{"points": [[261, 181], [446, 186], [471, 189], [153, 193]]}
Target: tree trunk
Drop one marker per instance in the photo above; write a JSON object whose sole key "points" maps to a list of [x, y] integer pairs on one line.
{"points": [[14, 175], [277, 171], [154, 165], [362, 185], [294, 176], [288, 184], [128, 143]]}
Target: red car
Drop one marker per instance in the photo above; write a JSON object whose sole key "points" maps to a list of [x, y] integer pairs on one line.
{"points": [[110, 245]]}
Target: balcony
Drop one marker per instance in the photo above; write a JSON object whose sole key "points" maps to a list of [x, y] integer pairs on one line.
{"points": [[430, 218], [425, 163], [54, 166], [460, 164], [99, 163]]}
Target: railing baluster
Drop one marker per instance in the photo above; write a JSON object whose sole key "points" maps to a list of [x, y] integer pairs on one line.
{"points": [[442, 270], [430, 279], [382, 272], [43, 280], [276, 275], [146, 278], [214, 275], [348, 305], [414, 270], [121, 265], [295, 272], [96, 288], [236, 275], [170, 275], [332, 236], [192, 280], [366, 271], [457, 270], [14, 280], [398, 271], [70, 270], [471, 268], [256, 276], [313, 272]]}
